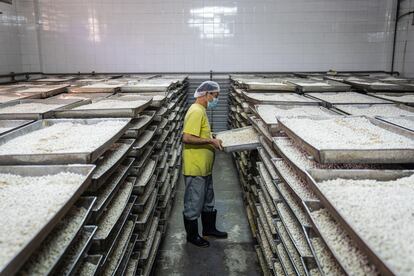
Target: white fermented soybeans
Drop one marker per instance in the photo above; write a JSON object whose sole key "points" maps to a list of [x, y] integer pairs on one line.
{"points": [[328, 264], [293, 227], [345, 249], [114, 211], [346, 133], [240, 137], [27, 204], [63, 138], [53, 246], [381, 213]]}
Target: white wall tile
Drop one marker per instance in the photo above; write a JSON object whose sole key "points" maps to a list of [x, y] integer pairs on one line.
{"points": [[199, 35]]}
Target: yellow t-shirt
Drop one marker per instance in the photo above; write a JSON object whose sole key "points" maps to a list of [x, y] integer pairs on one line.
{"points": [[197, 159]]}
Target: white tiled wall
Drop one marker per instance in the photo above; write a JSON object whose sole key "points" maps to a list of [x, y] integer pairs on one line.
{"points": [[199, 35], [404, 57], [10, 56]]}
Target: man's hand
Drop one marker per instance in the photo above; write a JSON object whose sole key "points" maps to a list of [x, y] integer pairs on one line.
{"points": [[217, 143]]}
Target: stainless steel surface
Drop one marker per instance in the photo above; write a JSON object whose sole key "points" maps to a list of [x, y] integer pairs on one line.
{"points": [[71, 268], [115, 112], [62, 103], [375, 156], [392, 121], [58, 158], [10, 125], [98, 178], [85, 170], [316, 176]]}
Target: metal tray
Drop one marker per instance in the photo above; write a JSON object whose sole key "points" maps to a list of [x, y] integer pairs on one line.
{"points": [[315, 176], [57, 158], [143, 160], [143, 235], [153, 254], [83, 202], [392, 121], [125, 260], [115, 182], [145, 138], [39, 235], [311, 206], [142, 200], [69, 103], [311, 233], [289, 231], [71, 262], [376, 156], [93, 259], [43, 91], [149, 209], [329, 103], [284, 242], [125, 246], [342, 108], [103, 112], [15, 96], [300, 99], [396, 97], [133, 261], [251, 146], [105, 247], [7, 126], [99, 178], [151, 166], [261, 128]]}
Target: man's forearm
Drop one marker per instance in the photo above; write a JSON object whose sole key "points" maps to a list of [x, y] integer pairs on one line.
{"points": [[194, 140]]}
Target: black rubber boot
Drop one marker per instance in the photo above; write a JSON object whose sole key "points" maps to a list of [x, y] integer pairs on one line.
{"points": [[191, 227], [209, 225]]}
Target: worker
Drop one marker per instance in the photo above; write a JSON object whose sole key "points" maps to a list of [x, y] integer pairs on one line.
{"points": [[198, 158]]}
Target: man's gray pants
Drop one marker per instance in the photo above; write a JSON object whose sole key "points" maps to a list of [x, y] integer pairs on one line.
{"points": [[198, 196]]}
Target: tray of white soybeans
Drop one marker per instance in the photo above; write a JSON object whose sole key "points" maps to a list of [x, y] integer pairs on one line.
{"points": [[331, 98], [353, 139], [373, 110], [115, 106], [238, 139], [33, 199], [36, 109], [61, 141], [269, 113], [406, 122], [9, 125], [6, 97], [375, 209], [279, 98]]}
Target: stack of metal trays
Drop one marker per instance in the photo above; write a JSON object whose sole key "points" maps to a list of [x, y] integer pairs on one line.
{"points": [[122, 225], [296, 231], [47, 199]]}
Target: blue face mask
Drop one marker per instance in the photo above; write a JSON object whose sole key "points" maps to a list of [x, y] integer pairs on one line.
{"points": [[212, 104]]}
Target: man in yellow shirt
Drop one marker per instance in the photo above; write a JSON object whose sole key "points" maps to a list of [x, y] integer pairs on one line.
{"points": [[198, 158]]}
